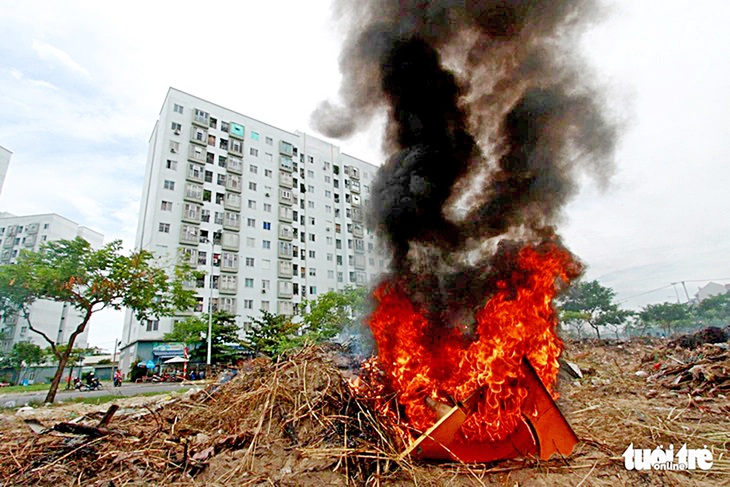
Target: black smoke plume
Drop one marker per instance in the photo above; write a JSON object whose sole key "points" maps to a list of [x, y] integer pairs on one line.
{"points": [[491, 117]]}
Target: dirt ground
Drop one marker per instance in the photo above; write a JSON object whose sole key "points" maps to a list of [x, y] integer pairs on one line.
{"points": [[297, 423]]}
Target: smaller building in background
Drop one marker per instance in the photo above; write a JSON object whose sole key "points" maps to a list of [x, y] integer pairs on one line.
{"points": [[709, 290], [56, 320], [4, 163]]}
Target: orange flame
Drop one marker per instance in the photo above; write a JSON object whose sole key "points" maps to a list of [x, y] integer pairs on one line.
{"points": [[448, 364]]}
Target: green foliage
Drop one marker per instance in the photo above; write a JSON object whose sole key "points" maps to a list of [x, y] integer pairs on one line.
{"points": [[271, 334], [332, 312], [592, 304], [89, 280], [715, 310], [26, 352], [667, 316], [193, 331]]}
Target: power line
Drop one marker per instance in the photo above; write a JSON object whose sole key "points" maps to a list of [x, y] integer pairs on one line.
{"points": [[644, 293]]}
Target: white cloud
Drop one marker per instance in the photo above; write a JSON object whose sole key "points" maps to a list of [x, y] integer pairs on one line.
{"points": [[47, 52]]}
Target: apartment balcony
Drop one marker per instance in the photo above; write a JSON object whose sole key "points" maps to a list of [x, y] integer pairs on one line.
{"points": [[236, 130], [234, 183], [357, 231], [197, 154], [285, 269], [234, 165], [193, 192], [285, 148], [232, 201], [231, 222], [201, 118], [360, 262], [355, 186], [191, 213], [286, 180], [285, 290], [195, 173], [229, 264], [286, 164], [31, 229], [189, 234], [357, 214], [199, 136], [235, 147], [285, 250], [230, 241], [286, 214]]}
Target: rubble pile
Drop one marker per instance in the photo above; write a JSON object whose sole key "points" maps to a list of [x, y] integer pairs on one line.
{"points": [[697, 364], [297, 422], [275, 421]]}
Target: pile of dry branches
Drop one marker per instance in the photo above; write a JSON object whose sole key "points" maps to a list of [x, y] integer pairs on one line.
{"points": [[275, 421], [297, 422]]}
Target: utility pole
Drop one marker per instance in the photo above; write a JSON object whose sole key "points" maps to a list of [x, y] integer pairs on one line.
{"points": [[114, 358], [685, 290]]}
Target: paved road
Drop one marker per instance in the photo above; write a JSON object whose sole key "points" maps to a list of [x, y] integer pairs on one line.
{"points": [[127, 389]]}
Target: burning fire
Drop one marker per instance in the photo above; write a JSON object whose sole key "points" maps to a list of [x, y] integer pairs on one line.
{"points": [[424, 361]]}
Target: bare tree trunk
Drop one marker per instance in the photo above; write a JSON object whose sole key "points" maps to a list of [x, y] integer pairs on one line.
{"points": [[63, 358]]}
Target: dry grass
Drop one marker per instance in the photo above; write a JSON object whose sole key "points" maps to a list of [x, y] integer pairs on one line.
{"points": [[296, 422]]}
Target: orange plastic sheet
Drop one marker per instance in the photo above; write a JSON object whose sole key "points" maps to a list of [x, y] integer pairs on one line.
{"points": [[542, 432]]}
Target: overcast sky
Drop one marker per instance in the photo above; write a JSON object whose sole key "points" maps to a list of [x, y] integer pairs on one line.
{"points": [[82, 83]]}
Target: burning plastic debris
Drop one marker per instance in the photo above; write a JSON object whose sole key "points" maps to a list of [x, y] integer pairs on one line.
{"points": [[490, 120]]}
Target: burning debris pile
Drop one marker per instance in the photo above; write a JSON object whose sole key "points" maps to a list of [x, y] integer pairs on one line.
{"points": [[490, 119]]}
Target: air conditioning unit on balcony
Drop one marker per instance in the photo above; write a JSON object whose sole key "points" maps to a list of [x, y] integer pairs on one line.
{"points": [[177, 132], [173, 151], [263, 291]]}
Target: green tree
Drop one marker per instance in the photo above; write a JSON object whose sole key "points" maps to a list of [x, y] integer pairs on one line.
{"points": [[271, 334], [667, 316], [592, 304], [323, 318], [22, 355], [89, 280], [715, 310], [193, 332]]}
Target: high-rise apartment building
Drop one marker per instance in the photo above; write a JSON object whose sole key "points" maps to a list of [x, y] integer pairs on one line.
{"points": [[4, 163], [273, 217], [56, 320]]}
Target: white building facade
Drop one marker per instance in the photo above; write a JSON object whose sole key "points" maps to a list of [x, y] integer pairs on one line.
{"points": [[56, 320], [4, 163], [273, 217]]}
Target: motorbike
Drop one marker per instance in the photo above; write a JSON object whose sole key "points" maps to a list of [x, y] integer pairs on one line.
{"points": [[92, 385], [117, 382]]}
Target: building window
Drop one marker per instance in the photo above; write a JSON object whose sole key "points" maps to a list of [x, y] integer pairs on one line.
{"points": [[252, 186], [251, 222], [176, 127], [166, 206], [310, 204], [268, 173], [169, 184], [251, 204], [172, 165], [269, 141], [267, 207], [254, 135], [266, 244], [310, 159], [253, 151], [248, 282], [312, 289], [267, 225], [269, 157], [253, 169], [312, 237], [165, 227], [250, 242], [312, 253], [248, 303], [153, 325], [177, 108], [249, 261]]}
